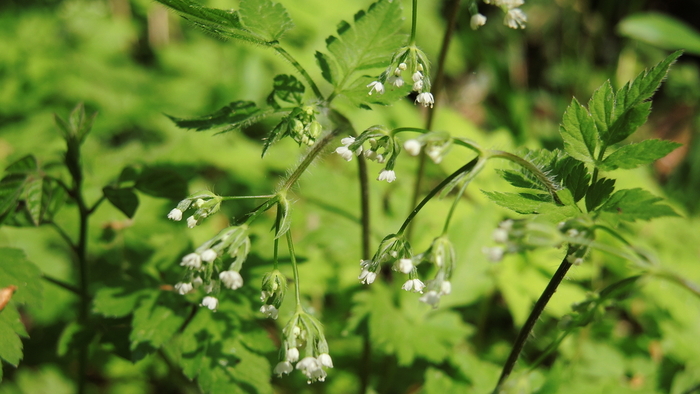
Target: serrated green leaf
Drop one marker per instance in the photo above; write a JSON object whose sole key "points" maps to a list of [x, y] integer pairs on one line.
{"points": [[518, 179], [643, 86], [638, 154], [16, 270], [10, 315], [368, 43], [633, 204], [574, 176], [234, 116], [329, 70], [288, 89], [601, 106], [161, 182], [10, 344], [276, 134], [117, 301], [33, 197], [156, 320], [11, 187], [598, 192], [661, 30], [522, 202], [221, 23], [25, 165], [579, 132], [627, 123], [124, 200], [72, 336], [266, 19]]}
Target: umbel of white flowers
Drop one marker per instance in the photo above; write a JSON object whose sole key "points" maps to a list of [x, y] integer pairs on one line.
{"points": [[304, 331], [406, 61], [205, 203], [383, 148], [515, 17]]}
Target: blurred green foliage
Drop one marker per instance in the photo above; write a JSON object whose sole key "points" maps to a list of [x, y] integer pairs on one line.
{"points": [[133, 62]]}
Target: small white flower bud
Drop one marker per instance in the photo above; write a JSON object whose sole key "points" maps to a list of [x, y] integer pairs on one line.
{"points": [[417, 76], [210, 302], [402, 66], [431, 298], [183, 288], [231, 279], [387, 175], [292, 355], [191, 222], [367, 276], [426, 99], [175, 215], [477, 21], [412, 147], [376, 86], [325, 360], [283, 367], [192, 260], [446, 288], [209, 255], [269, 311], [405, 266], [417, 86], [500, 235]]}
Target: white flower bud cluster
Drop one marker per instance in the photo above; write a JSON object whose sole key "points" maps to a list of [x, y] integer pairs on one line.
{"points": [[515, 17], [205, 203], [381, 146], [300, 330], [302, 126], [411, 61]]}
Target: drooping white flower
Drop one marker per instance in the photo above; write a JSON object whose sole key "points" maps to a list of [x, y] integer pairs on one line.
{"points": [[435, 153], [367, 276], [191, 222], [192, 260], [175, 215], [418, 86], [515, 19], [426, 98], [231, 279], [376, 86], [431, 298], [414, 285], [387, 175], [402, 66], [417, 76], [210, 302], [283, 367], [494, 254], [445, 288], [183, 288], [325, 360], [500, 235], [269, 311], [292, 355], [477, 21], [312, 368], [412, 147], [395, 80], [209, 255], [344, 152], [405, 266]]}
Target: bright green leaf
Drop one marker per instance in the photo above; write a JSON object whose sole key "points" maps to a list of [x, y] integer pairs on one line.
{"points": [[25, 165], [117, 301], [643, 86], [33, 197], [358, 93], [633, 204], [639, 154], [574, 176], [10, 344], [518, 179], [266, 19], [288, 89], [161, 182], [234, 116], [329, 70], [157, 318], [663, 31], [16, 270], [626, 124], [598, 192], [522, 202], [579, 132], [601, 106], [123, 199], [73, 335], [10, 315]]}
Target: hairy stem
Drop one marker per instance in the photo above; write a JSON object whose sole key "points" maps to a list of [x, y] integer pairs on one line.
{"points": [[541, 176], [535, 314], [472, 174], [301, 70], [292, 256], [309, 158]]}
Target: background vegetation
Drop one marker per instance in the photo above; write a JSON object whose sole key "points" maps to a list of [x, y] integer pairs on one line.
{"points": [[132, 61]]}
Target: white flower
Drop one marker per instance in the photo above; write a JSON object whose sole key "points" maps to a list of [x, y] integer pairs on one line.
{"points": [[510, 3], [283, 367], [311, 367], [426, 98], [431, 298], [402, 66], [325, 360], [347, 141], [515, 19], [379, 159], [376, 86], [414, 285], [175, 215], [494, 254], [500, 235], [231, 279], [445, 288], [210, 302], [264, 295], [183, 288], [417, 76], [405, 266], [292, 355], [192, 260], [412, 147], [477, 21], [417, 86], [367, 277], [435, 153], [196, 282], [387, 175], [191, 222], [269, 311], [396, 81], [344, 152], [209, 255]]}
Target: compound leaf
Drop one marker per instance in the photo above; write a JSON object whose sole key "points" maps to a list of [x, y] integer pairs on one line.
{"points": [[266, 19], [598, 192], [633, 204], [288, 89], [156, 320], [638, 154], [579, 132], [234, 116], [161, 182], [522, 202]]}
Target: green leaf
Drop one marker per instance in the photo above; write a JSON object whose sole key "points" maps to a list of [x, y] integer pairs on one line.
{"points": [[601, 105], [358, 91], [579, 132], [518, 179], [574, 176], [34, 196], [598, 192], [234, 116], [329, 71], [11, 316], [161, 182], [10, 344], [627, 123], [117, 301], [663, 31], [124, 200], [643, 86], [156, 320], [368, 43], [288, 89], [221, 23], [25, 165], [266, 19], [72, 336], [11, 187], [638, 154], [16, 270], [633, 204], [522, 202], [285, 219], [276, 134]]}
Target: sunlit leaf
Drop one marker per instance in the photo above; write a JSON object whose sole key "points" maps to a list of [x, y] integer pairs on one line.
{"points": [[266, 19], [638, 154]]}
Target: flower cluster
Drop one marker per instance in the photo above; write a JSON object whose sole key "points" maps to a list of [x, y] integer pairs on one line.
{"points": [[274, 287], [407, 61], [393, 249], [205, 265], [305, 332], [301, 125], [205, 202], [441, 254], [383, 148], [436, 145], [515, 17]]}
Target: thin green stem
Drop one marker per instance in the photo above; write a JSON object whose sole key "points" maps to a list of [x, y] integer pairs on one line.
{"points": [[435, 191], [63, 235], [81, 252], [403, 129], [246, 197], [477, 168], [535, 314], [61, 284], [364, 206], [414, 22], [309, 158], [96, 204], [301, 70], [297, 292]]}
